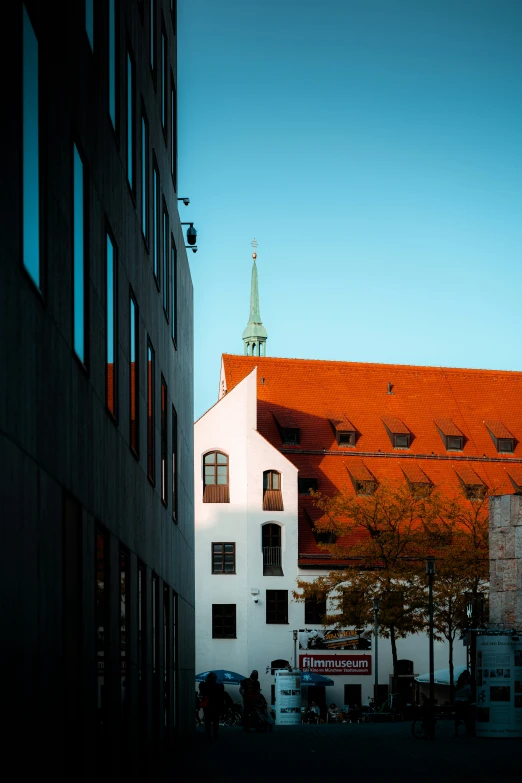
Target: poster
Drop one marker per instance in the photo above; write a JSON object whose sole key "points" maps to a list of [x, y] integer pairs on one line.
{"points": [[334, 639], [287, 697], [499, 687]]}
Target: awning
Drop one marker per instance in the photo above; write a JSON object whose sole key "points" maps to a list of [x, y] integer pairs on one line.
{"points": [[442, 676], [311, 678]]}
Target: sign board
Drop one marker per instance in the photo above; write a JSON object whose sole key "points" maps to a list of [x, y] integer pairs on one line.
{"points": [[287, 697], [499, 687], [333, 639], [336, 664]]}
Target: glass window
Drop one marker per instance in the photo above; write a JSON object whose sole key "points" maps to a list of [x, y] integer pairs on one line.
{"points": [[156, 218], [271, 480], [134, 376], [506, 445], [164, 78], [166, 233], [130, 122], [142, 643], [174, 657], [223, 621], [150, 411], [215, 478], [145, 177], [401, 441], [164, 444], [174, 464], [78, 256], [31, 154], [152, 42], [173, 130], [112, 62], [315, 609], [454, 443], [277, 606], [167, 659], [223, 558], [110, 328], [173, 290], [304, 485], [89, 21]]}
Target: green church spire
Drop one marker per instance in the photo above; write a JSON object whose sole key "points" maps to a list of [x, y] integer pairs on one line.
{"points": [[254, 336]]}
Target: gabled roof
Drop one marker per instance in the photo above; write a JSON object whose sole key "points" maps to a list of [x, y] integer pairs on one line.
{"points": [[497, 428], [395, 425], [423, 399]]}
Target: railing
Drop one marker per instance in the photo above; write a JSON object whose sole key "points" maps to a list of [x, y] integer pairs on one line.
{"points": [[271, 555]]}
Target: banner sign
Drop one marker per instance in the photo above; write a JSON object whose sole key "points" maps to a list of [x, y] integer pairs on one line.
{"points": [[336, 664], [499, 686], [333, 639]]}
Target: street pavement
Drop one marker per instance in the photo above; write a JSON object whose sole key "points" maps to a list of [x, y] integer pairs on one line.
{"points": [[329, 752]]}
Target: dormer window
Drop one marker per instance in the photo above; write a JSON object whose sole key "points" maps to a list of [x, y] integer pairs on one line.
{"points": [[473, 486], [515, 474], [501, 436], [344, 431], [398, 433], [288, 427], [304, 485], [418, 481], [452, 437], [363, 481]]}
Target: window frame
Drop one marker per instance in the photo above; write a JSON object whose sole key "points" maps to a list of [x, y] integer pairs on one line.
{"points": [[276, 599], [174, 291], [450, 447], [290, 436], [397, 436], [510, 450], [113, 66], [152, 41], [165, 257], [164, 442], [35, 125], [131, 120], [174, 449], [89, 22], [300, 482], [134, 442], [222, 616], [164, 98], [173, 131], [211, 495], [313, 614], [77, 154], [145, 177], [109, 238], [343, 434], [156, 232], [223, 556], [151, 372]]}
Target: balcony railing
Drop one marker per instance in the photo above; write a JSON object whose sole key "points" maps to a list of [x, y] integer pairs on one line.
{"points": [[271, 555]]}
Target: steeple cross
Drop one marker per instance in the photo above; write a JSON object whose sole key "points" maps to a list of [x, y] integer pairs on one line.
{"points": [[254, 244]]}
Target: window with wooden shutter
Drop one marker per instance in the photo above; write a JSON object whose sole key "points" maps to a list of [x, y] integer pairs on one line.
{"points": [[215, 478], [272, 494]]}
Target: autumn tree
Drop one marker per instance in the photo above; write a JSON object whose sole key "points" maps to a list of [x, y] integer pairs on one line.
{"points": [[386, 530]]}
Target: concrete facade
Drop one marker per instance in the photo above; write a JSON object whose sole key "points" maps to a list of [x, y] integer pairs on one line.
{"points": [[67, 470], [505, 551], [231, 427]]}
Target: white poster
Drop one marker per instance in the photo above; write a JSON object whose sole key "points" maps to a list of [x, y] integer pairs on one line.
{"points": [[499, 687], [287, 697]]}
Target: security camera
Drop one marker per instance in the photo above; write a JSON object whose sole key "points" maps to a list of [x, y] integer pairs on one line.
{"points": [[256, 599], [186, 201], [194, 249]]}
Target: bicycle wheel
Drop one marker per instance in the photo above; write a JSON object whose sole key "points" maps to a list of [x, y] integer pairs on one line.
{"points": [[417, 729]]}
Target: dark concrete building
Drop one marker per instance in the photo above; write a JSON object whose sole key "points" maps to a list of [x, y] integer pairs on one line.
{"points": [[96, 392]]}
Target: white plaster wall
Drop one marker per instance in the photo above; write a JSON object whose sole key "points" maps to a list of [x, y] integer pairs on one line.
{"points": [[230, 426]]}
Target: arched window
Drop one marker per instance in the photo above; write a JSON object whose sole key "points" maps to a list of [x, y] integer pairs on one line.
{"points": [[215, 478], [271, 543], [272, 495]]}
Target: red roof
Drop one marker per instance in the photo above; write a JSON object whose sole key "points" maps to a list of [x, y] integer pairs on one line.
{"points": [[458, 401]]}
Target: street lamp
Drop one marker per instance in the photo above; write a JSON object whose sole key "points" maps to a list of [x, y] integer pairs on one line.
{"points": [[376, 656], [295, 648], [430, 570]]}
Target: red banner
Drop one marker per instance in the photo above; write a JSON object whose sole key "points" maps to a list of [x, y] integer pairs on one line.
{"points": [[336, 664]]}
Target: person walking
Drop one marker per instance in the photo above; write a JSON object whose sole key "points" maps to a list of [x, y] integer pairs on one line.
{"points": [[249, 689], [463, 699], [212, 696]]}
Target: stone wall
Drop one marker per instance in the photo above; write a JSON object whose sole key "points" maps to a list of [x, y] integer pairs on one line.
{"points": [[505, 545]]}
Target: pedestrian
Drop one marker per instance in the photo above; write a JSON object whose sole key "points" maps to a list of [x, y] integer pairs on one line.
{"points": [[212, 696], [249, 689], [463, 699], [198, 706], [316, 710]]}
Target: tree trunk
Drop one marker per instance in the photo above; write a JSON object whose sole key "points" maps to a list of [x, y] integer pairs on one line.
{"points": [[451, 668], [394, 658]]}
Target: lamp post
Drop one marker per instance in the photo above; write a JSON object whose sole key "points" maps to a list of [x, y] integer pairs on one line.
{"points": [[376, 657], [430, 570], [295, 648]]}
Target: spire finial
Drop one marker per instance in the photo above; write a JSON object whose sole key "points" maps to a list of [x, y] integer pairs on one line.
{"points": [[254, 336]]}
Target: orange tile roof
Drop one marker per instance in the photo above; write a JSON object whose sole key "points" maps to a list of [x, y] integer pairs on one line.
{"points": [[414, 473], [459, 401], [395, 425], [468, 475]]}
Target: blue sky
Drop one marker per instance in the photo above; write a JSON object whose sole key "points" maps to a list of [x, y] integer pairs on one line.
{"points": [[374, 149]]}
